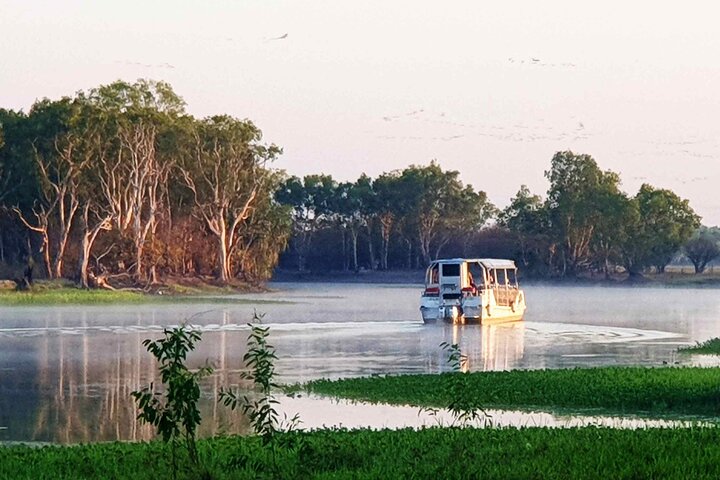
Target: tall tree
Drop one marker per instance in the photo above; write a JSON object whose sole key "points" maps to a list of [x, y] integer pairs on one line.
{"points": [[347, 208], [312, 200], [225, 176], [388, 198], [661, 224], [367, 198], [576, 186], [702, 249], [57, 168], [441, 205], [526, 216], [139, 114]]}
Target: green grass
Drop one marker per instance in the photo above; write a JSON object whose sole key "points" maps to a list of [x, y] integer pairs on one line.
{"points": [[448, 453], [651, 391], [708, 347], [77, 296]]}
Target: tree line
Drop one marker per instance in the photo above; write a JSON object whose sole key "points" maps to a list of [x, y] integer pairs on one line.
{"points": [[403, 219], [121, 182]]}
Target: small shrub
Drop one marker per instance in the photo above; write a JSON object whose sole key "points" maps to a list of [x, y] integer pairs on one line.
{"points": [[174, 412], [464, 405], [261, 409]]}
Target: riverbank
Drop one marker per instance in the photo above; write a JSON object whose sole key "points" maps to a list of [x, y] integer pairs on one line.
{"points": [[185, 290]]}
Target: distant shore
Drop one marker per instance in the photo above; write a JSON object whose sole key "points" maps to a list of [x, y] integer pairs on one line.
{"points": [[363, 276], [674, 277]]}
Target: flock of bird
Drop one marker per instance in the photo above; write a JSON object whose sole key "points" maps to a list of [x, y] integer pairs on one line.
{"points": [[514, 133], [539, 63], [517, 132]]}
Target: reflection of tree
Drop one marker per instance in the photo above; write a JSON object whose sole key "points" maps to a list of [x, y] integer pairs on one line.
{"points": [[83, 384], [490, 347]]}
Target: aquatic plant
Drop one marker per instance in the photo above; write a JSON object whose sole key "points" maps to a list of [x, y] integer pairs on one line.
{"points": [[708, 347], [174, 412], [661, 391]]}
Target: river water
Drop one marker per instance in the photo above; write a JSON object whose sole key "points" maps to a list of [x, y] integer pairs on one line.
{"points": [[66, 372]]}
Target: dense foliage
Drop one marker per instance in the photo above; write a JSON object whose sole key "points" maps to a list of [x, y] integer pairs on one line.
{"points": [[451, 453], [403, 219], [708, 347], [660, 391], [121, 181]]}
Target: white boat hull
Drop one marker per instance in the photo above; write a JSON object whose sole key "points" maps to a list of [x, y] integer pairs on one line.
{"points": [[481, 309]]}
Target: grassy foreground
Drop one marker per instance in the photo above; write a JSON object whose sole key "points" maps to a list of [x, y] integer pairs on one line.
{"points": [[446, 453], [635, 390]]}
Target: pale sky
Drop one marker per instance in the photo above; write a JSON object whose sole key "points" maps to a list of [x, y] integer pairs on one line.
{"points": [[492, 89]]}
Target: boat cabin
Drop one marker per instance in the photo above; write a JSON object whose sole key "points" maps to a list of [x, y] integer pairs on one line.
{"points": [[472, 289]]}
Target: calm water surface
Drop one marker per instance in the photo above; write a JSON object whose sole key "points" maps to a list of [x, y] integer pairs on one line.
{"points": [[66, 372]]}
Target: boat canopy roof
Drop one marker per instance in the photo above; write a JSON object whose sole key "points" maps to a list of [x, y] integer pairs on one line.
{"points": [[486, 262]]}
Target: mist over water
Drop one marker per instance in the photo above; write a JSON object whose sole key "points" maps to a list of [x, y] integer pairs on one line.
{"points": [[66, 372]]}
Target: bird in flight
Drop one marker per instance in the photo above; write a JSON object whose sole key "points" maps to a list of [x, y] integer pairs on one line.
{"points": [[281, 37]]}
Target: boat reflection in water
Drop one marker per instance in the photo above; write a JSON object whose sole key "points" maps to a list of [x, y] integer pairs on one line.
{"points": [[489, 347]]}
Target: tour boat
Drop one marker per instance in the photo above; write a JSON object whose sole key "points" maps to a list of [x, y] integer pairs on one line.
{"points": [[464, 290]]}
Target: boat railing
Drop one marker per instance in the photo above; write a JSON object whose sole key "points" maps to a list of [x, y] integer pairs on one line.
{"points": [[505, 294]]}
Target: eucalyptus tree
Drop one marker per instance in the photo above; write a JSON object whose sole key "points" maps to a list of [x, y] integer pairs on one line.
{"points": [[576, 186], [440, 206], [59, 159], [661, 223], [311, 199], [226, 175], [526, 217], [615, 213], [265, 234], [347, 209], [96, 213], [388, 199], [138, 115], [703, 248], [367, 214], [55, 168]]}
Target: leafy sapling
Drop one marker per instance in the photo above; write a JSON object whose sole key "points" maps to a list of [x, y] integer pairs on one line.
{"points": [[174, 410], [260, 409], [463, 406]]}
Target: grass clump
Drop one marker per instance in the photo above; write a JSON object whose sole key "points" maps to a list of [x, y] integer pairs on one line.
{"points": [[77, 296], [69, 296], [449, 453], [665, 391], [708, 347]]}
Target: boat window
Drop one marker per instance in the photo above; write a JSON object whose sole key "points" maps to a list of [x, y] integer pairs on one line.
{"points": [[512, 277], [450, 269], [501, 276], [434, 275], [476, 272]]}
